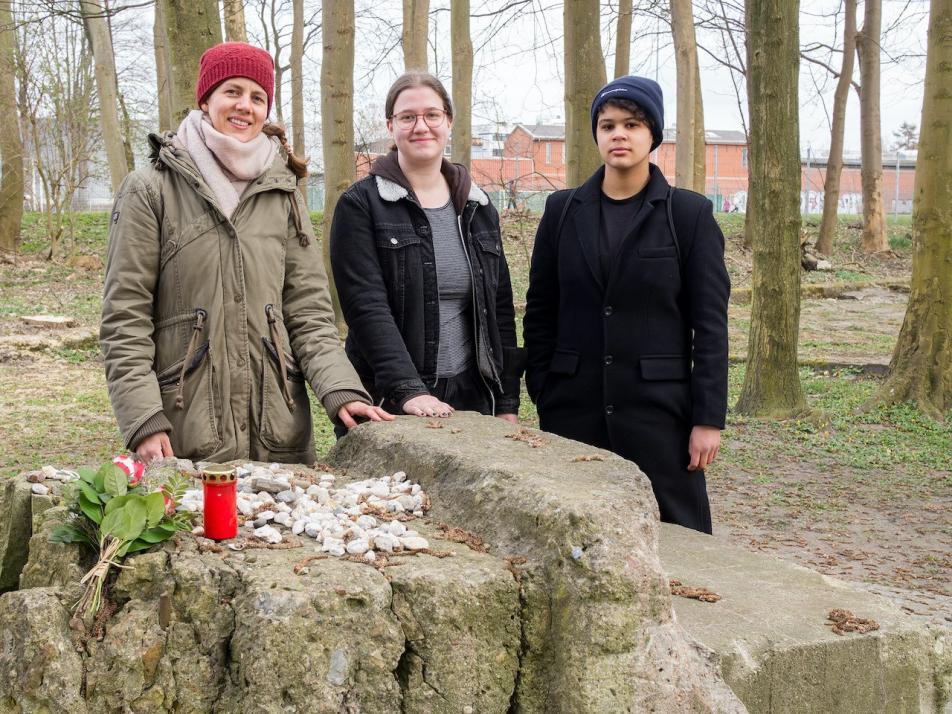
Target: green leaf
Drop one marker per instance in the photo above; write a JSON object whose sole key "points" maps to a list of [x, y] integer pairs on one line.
{"points": [[134, 547], [115, 481], [155, 508], [117, 502], [155, 535], [68, 533], [93, 511], [170, 528], [89, 492], [87, 474], [99, 479], [127, 521]]}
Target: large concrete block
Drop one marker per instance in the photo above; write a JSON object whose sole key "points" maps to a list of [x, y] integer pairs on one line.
{"points": [[16, 514], [598, 632], [777, 649]]}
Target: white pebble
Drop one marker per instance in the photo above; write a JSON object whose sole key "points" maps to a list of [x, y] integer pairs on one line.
{"points": [[282, 519], [366, 521], [358, 546], [39, 489], [312, 530], [414, 543], [287, 496], [396, 528], [399, 476], [334, 546], [268, 534], [266, 515], [386, 542], [298, 527], [415, 489], [370, 556]]}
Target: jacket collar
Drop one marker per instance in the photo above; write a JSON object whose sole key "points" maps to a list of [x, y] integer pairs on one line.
{"points": [[392, 184], [585, 217]]}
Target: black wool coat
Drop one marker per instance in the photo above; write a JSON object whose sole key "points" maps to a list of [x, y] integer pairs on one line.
{"points": [[633, 364]]}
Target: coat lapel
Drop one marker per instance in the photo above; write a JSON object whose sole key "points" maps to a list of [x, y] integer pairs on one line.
{"points": [[585, 221]]}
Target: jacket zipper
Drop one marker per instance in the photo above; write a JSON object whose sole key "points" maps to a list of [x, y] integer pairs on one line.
{"points": [[279, 347], [472, 277], [197, 327]]}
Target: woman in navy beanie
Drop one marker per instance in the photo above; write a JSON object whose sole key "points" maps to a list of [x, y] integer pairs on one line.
{"points": [[626, 314]]}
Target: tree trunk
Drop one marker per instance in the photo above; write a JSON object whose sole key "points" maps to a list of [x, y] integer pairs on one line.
{"points": [[921, 367], [623, 39], [416, 15], [337, 114], [11, 144], [700, 141], [462, 81], [234, 11], [100, 40], [871, 173], [834, 164], [685, 55], [163, 68], [297, 78], [771, 383], [193, 27], [584, 76]]}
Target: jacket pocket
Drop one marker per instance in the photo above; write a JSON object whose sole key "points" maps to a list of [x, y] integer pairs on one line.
{"points": [[396, 237], [283, 428], [564, 362], [195, 427], [665, 368]]}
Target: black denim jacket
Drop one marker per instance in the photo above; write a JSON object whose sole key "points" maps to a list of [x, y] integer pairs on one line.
{"points": [[385, 273]]}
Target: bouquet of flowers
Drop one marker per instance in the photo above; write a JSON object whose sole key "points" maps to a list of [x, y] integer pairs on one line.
{"points": [[115, 513]]}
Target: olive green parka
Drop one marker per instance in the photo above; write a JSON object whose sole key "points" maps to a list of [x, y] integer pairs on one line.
{"points": [[211, 326]]}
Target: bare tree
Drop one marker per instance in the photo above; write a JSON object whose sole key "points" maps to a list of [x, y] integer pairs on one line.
{"points": [[234, 11], [834, 164], [416, 15], [623, 39], [462, 81], [297, 77], [700, 139], [163, 67], [874, 208], [921, 366], [57, 88], [11, 144], [100, 39], [337, 117], [584, 76], [771, 382], [685, 53], [193, 26]]}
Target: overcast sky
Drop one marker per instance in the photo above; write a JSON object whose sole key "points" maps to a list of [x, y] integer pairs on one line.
{"points": [[513, 82]]}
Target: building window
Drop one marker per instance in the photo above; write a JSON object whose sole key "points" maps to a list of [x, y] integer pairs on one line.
{"points": [[743, 157], [497, 152], [548, 152]]}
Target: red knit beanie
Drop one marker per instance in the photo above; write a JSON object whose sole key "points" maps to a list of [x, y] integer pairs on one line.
{"points": [[234, 59]]}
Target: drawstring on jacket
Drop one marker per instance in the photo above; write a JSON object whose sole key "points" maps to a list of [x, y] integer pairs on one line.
{"points": [[303, 238], [279, 348], [197, 328]]}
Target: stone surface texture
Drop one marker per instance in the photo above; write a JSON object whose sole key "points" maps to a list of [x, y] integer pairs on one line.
{"points": [[777, 649], [16, 514]]}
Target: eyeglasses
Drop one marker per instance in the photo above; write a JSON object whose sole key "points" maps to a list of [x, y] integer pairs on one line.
{"points": [[431, 117]]}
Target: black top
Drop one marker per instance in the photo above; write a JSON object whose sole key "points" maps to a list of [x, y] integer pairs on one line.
{"points": [[615, 221]]}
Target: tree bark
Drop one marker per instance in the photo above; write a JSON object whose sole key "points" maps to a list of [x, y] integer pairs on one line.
{"points": [[584, 76], [700, 140], [100, 40], [771, 383], [193, 27], [11, 143], [163, 68], [685, 55], [623, 39], [871, 173], [834, 164], [462, 81], [337, 114], [416, 16], [234, 11], [921, 366], [297, 77]]}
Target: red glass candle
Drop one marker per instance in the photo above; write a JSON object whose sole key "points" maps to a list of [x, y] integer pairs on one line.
{"points": [[220, 487]]}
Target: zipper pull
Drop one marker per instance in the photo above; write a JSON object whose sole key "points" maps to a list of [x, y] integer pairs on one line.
{"points": [[200, 317], [269, 311]]}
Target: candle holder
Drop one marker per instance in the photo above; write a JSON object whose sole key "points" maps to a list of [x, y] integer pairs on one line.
{"points": [[220, 488]]}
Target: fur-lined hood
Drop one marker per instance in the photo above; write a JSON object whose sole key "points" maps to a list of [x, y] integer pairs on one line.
{"points": [[392, 184]]}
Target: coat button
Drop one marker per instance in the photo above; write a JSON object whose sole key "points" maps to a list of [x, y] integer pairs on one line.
{"points": [[608, 311], [243, 426], [610, 409], [609, 359], [238, 297], [393, 240]]}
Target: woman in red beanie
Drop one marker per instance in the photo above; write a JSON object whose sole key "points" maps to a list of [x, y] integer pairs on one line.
{"points": [[216, 311]]}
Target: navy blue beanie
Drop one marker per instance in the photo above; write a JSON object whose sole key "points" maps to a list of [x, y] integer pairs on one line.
{"points": [[646, 93]]}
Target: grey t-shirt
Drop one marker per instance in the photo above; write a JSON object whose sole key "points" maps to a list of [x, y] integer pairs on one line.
{"points": [[456, 292]]}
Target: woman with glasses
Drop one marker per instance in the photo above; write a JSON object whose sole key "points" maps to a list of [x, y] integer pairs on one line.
{"points": [[421, 274]]}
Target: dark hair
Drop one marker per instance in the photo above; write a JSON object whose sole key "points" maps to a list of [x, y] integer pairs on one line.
{"points": [[632, 107], [297, 164], [408, 80]]}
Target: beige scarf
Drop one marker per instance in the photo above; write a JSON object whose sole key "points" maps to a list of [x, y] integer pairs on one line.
{"points": [[226, 164]]}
